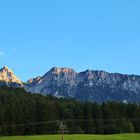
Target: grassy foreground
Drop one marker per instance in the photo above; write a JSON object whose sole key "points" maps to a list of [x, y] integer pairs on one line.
{"points": [[76, 137]]}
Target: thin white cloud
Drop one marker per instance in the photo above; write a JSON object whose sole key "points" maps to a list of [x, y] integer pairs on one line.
{"points": [[1, 53]]}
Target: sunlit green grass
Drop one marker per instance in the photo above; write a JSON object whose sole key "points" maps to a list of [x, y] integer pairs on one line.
{"points": [[76, 137]]}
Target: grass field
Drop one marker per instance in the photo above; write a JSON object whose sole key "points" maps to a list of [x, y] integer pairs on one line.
{"points": [[76, 137]]}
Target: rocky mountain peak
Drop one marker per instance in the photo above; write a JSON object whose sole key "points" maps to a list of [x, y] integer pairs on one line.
{"points": [[57, 70], [34, 80], [7, 76], [90, 85], [5, 68]]}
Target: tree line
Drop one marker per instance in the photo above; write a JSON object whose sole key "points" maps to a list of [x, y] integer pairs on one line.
{"points": [[22, 113]]}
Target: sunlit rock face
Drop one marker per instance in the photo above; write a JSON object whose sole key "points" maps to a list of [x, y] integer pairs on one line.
{"points": [[90, 85], [8, 78]]}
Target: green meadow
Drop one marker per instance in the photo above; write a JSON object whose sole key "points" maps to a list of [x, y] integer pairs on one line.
{"points": [[76, 137]]}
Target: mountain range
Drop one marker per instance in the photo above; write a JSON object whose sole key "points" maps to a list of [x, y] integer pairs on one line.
{"points": [[90, 85]]}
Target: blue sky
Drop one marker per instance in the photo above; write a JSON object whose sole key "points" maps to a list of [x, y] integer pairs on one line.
{"points": [[36, 35]]}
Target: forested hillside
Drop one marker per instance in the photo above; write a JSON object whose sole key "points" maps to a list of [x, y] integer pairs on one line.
{"points": [[23, 113]]}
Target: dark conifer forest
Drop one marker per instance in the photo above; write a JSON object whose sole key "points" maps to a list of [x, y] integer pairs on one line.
{"points": [[22, 113]]}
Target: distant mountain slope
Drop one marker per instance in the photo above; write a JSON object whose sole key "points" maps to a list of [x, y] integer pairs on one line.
{"points": [[99, 86], [8, 78]]}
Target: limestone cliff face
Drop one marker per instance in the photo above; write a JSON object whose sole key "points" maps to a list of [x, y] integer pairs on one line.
{"points": [[99, 86], [8, 78], [59, 82]]}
